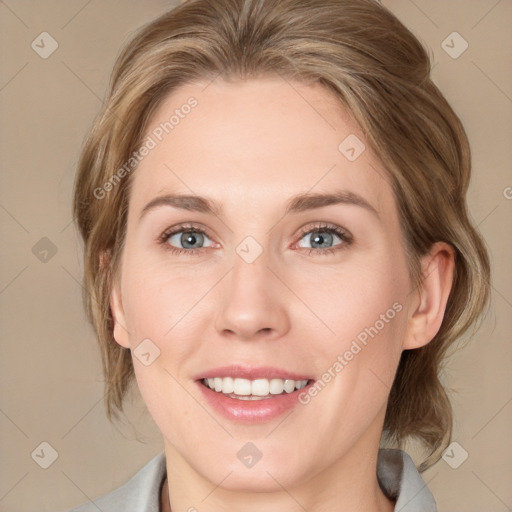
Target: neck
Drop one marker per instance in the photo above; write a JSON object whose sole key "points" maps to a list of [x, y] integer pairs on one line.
{"points": [[350, 484], [380, 503]]}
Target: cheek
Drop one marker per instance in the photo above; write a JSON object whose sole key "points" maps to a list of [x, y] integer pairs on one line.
{"points": [[365, 299], [367, 313], [159, 307], [156, 299], [164, 310], [359, 362]]}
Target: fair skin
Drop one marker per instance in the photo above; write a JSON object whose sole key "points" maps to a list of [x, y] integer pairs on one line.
{"points": [[251, 146]]}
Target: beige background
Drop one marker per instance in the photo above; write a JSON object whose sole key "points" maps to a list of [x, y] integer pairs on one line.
{"points": [[51, 382]]}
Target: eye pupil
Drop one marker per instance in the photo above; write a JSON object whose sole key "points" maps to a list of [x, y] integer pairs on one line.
{"points": [[317, 238], [190, 238]]}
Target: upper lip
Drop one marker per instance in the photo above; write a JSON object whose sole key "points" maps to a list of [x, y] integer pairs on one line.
{"points": [[251, 373]]}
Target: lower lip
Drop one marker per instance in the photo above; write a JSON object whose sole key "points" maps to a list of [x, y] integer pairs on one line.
{"points": [[251, 411]]}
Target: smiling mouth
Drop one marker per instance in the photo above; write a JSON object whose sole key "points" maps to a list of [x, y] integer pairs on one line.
{"points": [[258, 389]]}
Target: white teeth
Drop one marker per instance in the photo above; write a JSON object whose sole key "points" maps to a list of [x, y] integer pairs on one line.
{"points": [[289, 386], [217, 384], [228, 385], [276, 386], [242, 387], [258, 387]]}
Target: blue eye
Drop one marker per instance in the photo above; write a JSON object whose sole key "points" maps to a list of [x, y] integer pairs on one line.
{"points": [[319, 237], [188, 237], [324, 235], [191, 239]]}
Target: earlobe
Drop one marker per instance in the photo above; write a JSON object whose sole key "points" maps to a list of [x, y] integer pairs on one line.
{"points": [[433, 292]]}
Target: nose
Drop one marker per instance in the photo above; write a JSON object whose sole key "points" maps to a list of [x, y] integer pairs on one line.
{"points": [[252, 302]]}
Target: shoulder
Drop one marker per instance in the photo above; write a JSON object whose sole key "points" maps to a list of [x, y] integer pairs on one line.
{"points": [[400, 480], [141, 493]]}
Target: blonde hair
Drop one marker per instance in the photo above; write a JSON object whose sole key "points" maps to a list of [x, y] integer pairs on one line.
{"points": [[363, 54]]}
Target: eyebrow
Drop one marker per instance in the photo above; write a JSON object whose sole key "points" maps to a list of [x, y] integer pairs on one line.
{"points": [[296, 204]]}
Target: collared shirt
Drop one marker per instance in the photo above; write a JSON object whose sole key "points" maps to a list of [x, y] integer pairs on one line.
{"points": [[396, 473]]}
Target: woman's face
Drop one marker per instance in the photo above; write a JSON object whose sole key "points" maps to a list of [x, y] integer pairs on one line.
{"points": [[265, 287]]}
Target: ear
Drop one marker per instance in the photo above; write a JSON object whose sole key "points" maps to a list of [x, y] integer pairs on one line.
{"points": [[120, 332], [116, 307], [431, 296]]}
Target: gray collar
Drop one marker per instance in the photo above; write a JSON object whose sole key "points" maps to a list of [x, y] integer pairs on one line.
{"points": [[401, 481]]}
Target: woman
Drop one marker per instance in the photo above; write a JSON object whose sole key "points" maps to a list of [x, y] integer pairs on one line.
{"points": [[277, 248]]}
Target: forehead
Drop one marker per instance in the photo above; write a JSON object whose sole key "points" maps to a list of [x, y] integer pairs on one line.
{"points": [[266, 137]]}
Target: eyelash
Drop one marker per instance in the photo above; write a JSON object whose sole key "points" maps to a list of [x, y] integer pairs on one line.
{"points": [[345, 237]]}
